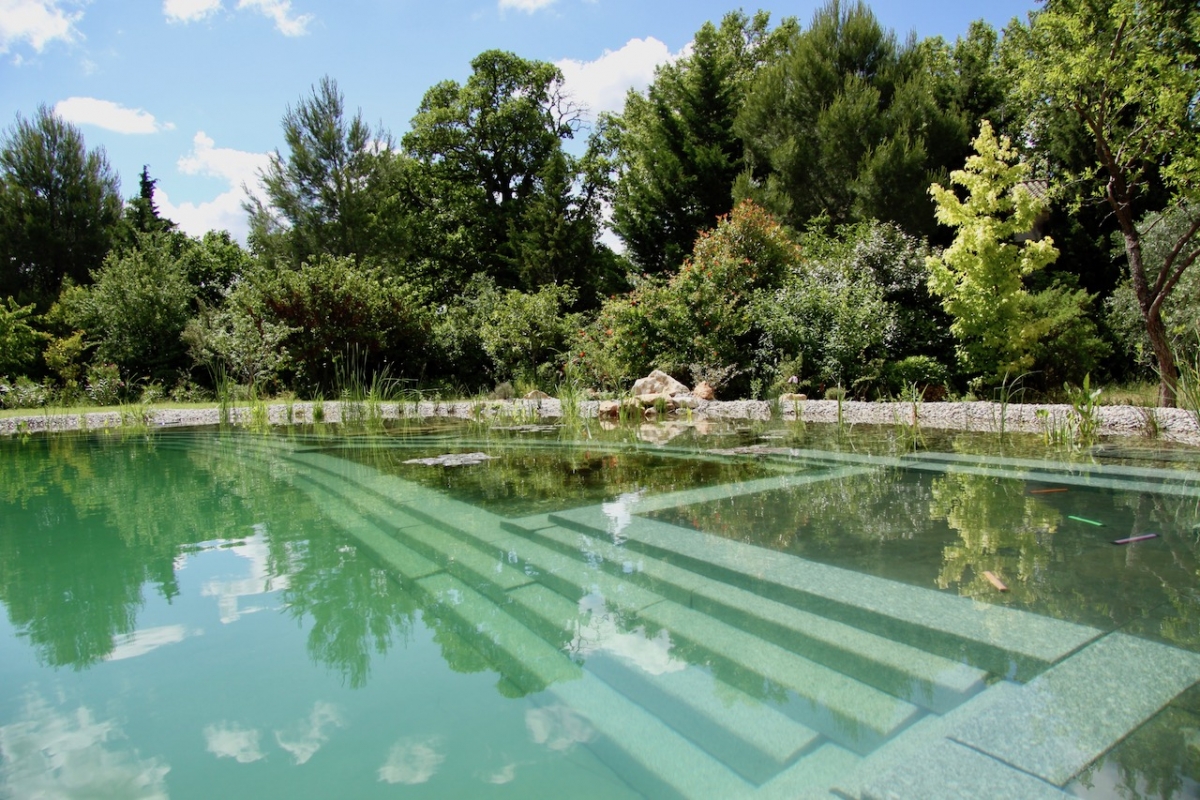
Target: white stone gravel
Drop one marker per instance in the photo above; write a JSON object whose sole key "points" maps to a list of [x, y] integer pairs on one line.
{"points": [[1175, 425]]}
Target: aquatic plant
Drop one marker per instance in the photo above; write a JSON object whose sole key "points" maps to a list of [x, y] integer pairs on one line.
{"points": [[1084, 401], [1187, 389], [1008, 392]]}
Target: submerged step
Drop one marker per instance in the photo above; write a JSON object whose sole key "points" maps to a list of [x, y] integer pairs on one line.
{"points": [[1063, 468], [527, 659], [725, 491], [743, 732], [1071, 714], [936, 683], [650, 752], [487, 572], [404, 560], [948, 771], [646, 751], [909, 747], [845, 709], [1001, 640], [810, 777], [849, 712]]}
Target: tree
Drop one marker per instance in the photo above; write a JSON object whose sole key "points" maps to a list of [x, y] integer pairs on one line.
{"points": [[484, 152], [142, 212], [59, 205], [136, 309], [1180, 312], [213, 264], [1128, 73], [1001, 328], [323, 198], [674, 148], [847, 124]]}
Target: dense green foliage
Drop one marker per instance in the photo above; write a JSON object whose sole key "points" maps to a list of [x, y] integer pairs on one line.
{"points": [[323, 195], [849, 123], [771, 191], [59, 206], [1124, 75], [675, 149]]}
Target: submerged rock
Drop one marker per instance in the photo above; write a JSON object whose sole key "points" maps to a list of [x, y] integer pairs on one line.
{"points": [[452, 460]]}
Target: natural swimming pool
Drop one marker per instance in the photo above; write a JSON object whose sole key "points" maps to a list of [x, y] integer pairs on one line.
{"points": [[759, 611]]}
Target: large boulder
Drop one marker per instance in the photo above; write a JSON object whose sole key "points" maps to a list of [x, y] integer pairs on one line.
{"points": [[659, 382]]}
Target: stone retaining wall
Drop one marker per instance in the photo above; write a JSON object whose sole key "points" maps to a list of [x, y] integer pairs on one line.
{"points": [[1176, 425]]}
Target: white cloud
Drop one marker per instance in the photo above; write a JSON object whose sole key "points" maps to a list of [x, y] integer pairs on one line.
{"points": [[558, 727], [189, 10], [145, 641], [56, 752], [109, 115], [528, 6], [505, 774], [601, 85], [233, 741], [36, 22], [599, 631], [237, 168], [411, 761], [310, 736], [280, 11]]}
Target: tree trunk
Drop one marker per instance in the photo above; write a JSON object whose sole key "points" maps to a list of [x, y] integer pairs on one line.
{"points": [[1151, 307]]}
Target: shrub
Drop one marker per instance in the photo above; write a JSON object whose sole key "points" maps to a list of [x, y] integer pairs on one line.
{"points": [[313, 325], [928, 374], [833, 320], [527, 335], [104, 386], [701, 315], [19, 341], [24, 393], [136, 310]]}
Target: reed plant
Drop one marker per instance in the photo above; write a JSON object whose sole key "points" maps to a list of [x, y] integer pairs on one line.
{"points": [[1006, 393], [1187, 388], [362, 395]]}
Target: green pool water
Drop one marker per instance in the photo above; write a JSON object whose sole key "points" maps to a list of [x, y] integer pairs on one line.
{"points": [[739, 611]]}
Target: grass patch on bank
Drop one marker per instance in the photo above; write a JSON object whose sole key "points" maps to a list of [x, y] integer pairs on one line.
{"points": [[1143, 394]]}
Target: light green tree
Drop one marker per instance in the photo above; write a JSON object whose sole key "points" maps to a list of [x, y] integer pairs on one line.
{"points": [[980, 277], [19, 341], [1126, 71]]}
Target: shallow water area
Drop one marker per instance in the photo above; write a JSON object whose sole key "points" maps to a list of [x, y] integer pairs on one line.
{"points": [[739, 610]]}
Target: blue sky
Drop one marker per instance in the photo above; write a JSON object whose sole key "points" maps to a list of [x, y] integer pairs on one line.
{"points": [[196, 89]]}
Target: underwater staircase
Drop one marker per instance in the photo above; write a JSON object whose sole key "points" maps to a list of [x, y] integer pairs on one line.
{"points": [[797, 679]]}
